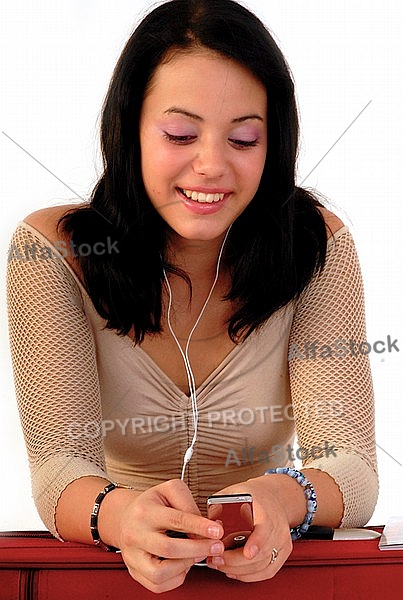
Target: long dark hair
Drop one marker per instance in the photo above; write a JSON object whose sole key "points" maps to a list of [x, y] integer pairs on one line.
{"points": [[277, 243]]}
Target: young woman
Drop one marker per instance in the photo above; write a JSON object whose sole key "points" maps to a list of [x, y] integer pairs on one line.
{"points": [[175, 333]]}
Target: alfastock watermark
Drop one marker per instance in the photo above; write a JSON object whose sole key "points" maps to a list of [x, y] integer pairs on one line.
{"points": [[60, 249], [278, 454], [341, 348]]}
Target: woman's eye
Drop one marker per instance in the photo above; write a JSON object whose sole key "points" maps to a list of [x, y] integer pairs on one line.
{"points": [[244, 143], [179, 139]]}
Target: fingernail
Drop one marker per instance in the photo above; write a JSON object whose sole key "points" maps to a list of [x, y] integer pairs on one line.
{"points": [[217, 548], [214, 531], [253, 551], [218, 561]]}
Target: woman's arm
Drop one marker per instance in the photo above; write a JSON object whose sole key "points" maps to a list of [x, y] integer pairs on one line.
{"points": [[55, 370], [291, 496], [57, 388], [75, 506], [334, 410], [137, 524], [279, 503], [331, 384]]}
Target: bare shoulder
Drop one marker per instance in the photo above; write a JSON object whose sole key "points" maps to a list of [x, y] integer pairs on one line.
{"points": [[333, 223], [46, 220]]}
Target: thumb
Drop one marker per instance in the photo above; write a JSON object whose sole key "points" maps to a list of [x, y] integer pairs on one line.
{"points": [[254, 543]]}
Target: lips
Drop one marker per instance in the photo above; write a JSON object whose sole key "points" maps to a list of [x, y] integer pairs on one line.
{"points": [[202, 197], [203, 203]]}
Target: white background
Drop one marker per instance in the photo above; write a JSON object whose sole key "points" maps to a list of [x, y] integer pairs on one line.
{"points": [[58, 59]]}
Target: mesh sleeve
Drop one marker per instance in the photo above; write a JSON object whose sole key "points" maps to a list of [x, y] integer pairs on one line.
{"points": [[331, 382], [55, 371]]}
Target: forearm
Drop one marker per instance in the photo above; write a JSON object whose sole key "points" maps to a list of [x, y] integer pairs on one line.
{"points": [[330, 500], [291, 496], [75, 506]]}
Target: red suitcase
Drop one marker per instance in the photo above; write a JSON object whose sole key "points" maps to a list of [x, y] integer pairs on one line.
{"points": [[33, 565]]}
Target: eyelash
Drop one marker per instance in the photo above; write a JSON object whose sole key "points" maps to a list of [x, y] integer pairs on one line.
{"points": [[179, 139], [183, 140], [244, 143]]}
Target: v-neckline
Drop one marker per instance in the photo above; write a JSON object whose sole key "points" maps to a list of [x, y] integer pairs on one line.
{"points": [[172, 384]]}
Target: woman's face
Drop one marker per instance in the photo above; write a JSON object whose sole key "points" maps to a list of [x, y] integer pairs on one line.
{"points": [[203, 142]]}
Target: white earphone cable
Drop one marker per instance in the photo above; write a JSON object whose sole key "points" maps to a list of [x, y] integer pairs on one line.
{"points": [[185, 354]]}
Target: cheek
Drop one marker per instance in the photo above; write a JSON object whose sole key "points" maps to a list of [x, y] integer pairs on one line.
{"points": [[160, 169], [251, 171], [161, 161]]}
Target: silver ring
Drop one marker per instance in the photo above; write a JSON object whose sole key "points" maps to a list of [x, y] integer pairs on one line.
{"points": [[274, 554]]}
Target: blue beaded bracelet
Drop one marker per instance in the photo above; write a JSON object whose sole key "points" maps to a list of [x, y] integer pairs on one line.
{"points": [[310, 495]]}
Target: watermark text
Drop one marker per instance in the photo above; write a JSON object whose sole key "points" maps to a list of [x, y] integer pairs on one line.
{"points": [[278, 454], [60, 249], [341, 348]]}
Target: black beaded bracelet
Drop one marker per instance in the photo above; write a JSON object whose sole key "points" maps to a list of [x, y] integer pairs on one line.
{"points": [[94, 518]]}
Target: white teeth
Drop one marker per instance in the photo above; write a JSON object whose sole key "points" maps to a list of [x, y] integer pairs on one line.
{"points": [[202, 197]]}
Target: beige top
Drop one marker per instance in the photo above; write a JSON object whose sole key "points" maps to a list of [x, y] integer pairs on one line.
{"points": [[93, 403]]}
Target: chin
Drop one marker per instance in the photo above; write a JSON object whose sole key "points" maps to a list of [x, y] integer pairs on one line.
{"points": [[200, 235]]}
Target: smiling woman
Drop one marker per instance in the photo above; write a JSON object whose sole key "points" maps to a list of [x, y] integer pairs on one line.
{"points": [[207, 156], [222, 264]]}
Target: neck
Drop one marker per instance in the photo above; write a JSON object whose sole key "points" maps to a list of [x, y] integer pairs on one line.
{"points": [[197, 258]]}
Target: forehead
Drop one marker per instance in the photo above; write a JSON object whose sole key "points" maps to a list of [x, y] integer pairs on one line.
{"points": [[205, 78]]}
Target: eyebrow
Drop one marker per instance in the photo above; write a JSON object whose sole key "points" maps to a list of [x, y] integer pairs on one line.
{"points": [[181, 111]]}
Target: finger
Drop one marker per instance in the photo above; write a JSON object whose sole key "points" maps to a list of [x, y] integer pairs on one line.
{"points": [[250, 571], [160, 544], [242, 556], [160, 576], [240, 570], [262, 569], [164, 518], [154, 568], [232, 560], [263, 539], [175, 493], [264, 566], [261, 575]]}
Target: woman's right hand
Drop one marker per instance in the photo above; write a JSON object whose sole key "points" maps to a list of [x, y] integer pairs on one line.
{"points": [[143, 539]]}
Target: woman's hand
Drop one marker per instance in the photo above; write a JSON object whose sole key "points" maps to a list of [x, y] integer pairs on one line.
{"points": [[143, 539], [270, 543]]}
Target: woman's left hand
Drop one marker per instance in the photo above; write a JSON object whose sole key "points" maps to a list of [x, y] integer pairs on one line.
{"points": [[270, 543]]}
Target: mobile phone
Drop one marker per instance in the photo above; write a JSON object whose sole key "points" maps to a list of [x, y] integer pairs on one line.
{"points": [[235, 513]]}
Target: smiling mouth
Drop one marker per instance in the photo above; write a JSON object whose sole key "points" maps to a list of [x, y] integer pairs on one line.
{"points": [[201, 197]]}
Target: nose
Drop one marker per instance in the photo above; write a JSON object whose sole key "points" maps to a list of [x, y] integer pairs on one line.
{"points": [[210, 159]]}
